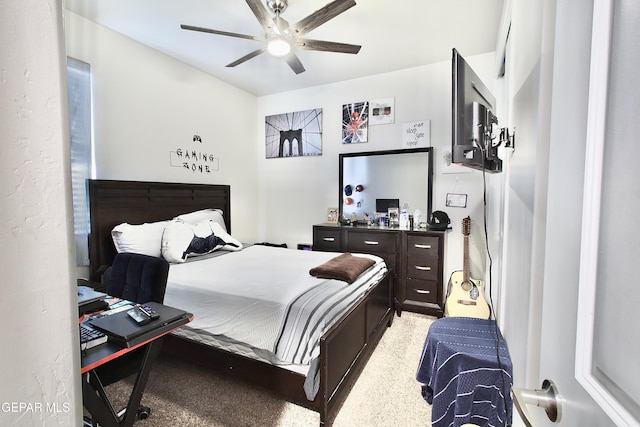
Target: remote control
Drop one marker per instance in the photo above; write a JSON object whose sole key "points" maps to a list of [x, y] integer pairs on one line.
{"points": [[139, 316], [149, 311]]}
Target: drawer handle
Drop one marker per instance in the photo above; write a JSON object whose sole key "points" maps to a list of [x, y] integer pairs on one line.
{"points": [[422, 291], [419, 267], [370, 242], [329, 239], [422, 246]]}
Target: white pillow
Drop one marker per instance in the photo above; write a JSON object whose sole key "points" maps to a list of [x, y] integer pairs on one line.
{"points": [[140, 239], [196, 217], [181, 240]]}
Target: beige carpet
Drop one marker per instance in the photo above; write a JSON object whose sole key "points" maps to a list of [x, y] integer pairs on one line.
{"points": [[385, 394]]}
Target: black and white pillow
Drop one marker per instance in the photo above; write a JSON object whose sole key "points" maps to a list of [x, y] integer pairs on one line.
{"points": [[196, 217], [139, 238], [181, 240]]}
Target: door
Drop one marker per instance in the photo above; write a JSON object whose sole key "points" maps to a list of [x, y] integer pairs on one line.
{"points": [[589, 335]]}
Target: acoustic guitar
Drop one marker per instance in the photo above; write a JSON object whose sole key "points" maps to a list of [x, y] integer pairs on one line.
{"points": [[465, 296]]}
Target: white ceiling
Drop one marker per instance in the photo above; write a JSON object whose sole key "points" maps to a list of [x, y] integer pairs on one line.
{"points": [[394, 35]]}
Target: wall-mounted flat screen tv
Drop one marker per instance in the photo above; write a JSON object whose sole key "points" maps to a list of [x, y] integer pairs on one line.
{"points": [[473, 118]]}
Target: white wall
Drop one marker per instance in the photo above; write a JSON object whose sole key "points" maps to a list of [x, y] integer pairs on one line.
{"points": [[147, 105], [294, 193], [40, 357]]}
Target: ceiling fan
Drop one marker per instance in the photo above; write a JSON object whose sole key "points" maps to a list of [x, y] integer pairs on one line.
{"points": [[281, 38]]}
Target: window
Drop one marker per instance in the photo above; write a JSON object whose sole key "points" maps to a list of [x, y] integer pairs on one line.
{"points": [[79, 88]]}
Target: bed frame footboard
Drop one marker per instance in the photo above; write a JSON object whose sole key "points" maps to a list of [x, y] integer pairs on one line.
{"points": [[346, 347], [344, 350]]}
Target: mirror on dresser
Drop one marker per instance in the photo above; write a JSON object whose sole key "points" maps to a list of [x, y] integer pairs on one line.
{"points": [[385, 176]]}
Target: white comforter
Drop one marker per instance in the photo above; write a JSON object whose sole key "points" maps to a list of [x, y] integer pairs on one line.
{"points": [[265, 298]]}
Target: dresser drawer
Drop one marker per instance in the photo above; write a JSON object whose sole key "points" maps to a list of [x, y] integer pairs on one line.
{"points": [[422, 291], [326, 239], [372, 242], [422, 267], [415, 258], [422, 245]]}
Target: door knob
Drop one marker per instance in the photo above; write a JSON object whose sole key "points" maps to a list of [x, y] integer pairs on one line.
{"points": [[547, 398]]}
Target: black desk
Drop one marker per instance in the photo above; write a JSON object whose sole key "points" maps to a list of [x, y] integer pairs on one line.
{"points": [[462, 375], [94, 396]]}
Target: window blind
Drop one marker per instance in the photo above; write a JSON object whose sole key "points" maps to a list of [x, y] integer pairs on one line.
{"points": [[79, 88]]}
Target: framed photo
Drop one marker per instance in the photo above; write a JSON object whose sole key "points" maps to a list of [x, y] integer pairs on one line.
{"points": [[456, 200], [332, 215], [382, 111], [355, 122], [293, 134], [393, 213]]}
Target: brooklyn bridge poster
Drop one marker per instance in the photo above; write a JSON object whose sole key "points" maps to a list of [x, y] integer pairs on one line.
{"points": [[294, 134]]}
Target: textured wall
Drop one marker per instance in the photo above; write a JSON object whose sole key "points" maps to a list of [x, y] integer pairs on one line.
{"points": [[39, 361]]}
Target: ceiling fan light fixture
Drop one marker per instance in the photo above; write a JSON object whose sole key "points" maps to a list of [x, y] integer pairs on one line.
{"points": [[280, 39], [278, 47]]}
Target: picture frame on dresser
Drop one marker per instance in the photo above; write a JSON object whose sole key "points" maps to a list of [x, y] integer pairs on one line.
{"points": [[332, 215]]}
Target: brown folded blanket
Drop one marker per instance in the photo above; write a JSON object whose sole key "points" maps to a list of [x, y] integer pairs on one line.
{"points": [[344, 267]]}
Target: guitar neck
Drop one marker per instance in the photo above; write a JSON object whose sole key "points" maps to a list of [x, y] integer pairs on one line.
{"points": [[465, 261]]}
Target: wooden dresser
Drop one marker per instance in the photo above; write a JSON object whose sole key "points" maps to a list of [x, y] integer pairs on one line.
{"points": [[416, 259]]}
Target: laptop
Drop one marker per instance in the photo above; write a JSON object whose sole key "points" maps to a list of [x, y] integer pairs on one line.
{"points": [[87, 295], [90, 300], [122, 329]]}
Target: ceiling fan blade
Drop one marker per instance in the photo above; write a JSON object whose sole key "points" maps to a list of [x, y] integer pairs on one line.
{"points": [[325, 46], [247, 57], [262, 14], [322, 15], [294, 63], [222, 33]]}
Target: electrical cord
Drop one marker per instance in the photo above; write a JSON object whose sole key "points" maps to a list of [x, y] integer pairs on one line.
{"points": [[495, 316]]}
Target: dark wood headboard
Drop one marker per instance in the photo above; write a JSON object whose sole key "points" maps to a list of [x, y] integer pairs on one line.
{"points": [[114, 202]]}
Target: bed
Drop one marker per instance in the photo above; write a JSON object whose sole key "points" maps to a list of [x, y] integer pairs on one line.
{"points": [[340, 352]]}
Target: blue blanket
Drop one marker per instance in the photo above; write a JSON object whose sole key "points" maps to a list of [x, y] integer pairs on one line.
{"points": [[462, 375]]}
